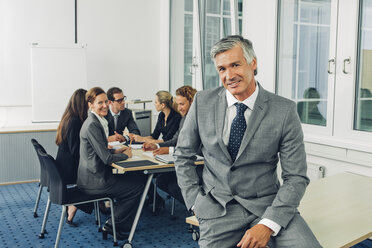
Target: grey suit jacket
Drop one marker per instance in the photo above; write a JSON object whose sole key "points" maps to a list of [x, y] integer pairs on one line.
{"points": [[274, 131], [95, 171]]}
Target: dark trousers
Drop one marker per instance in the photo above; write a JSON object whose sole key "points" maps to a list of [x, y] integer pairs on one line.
{"points": [[168, 183], [126, 191]]}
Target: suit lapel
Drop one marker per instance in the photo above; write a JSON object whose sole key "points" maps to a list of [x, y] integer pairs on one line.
{"points": [[259, 111], [220, 113], [110, 120]]}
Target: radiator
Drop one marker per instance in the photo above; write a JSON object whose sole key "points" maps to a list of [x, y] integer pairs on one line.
{"points": [[18, 159]]}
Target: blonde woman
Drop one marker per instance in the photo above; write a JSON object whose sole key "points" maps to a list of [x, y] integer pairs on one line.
{"points": [[168, 119]]}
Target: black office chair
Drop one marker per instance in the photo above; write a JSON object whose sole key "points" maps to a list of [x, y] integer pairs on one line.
{"points": [[43, 175], [61, 195]]}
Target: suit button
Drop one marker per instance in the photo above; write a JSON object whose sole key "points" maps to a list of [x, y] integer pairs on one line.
{"points": [[232, 168]]}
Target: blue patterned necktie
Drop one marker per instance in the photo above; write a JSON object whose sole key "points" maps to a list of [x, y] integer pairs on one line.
{"points": [[237, 130]]}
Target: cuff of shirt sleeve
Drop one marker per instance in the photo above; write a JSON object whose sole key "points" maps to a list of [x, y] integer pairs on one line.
{"points": [[171, 150], [126, 137], [272, 225], [157, 145]]}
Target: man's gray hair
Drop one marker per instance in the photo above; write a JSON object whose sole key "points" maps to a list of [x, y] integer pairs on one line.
{"points": [[229, 42]]}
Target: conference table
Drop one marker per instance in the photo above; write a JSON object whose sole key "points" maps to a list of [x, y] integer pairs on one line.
{"points": [[155, 168]]}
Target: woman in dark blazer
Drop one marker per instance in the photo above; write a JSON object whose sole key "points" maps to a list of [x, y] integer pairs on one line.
{"points": [[95, 172], [68, 142], [168, 119]]}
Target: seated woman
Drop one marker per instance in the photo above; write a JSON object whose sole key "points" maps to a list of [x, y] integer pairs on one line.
{"points": [[168, 119], [168, 181], [68, 143], [95, 172]]}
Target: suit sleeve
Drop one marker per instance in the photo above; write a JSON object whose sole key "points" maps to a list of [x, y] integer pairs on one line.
{"points": [[187, 146], [97, 141], [132, 125], [293, 163]]}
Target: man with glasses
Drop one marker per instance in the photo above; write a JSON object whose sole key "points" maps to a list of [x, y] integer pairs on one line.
{"points": [[119, 117]]}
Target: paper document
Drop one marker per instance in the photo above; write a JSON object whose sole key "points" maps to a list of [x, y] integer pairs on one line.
{"points": [[148, 154], [136, 146]]}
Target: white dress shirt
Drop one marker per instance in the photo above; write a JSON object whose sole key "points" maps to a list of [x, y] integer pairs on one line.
{"points": [[230, 115]]}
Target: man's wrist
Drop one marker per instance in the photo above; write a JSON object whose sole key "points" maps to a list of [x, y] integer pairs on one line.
{"points": [[275, 227]]}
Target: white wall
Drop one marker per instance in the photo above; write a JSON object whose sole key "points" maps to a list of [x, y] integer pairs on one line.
{"points": [[259, 26], [127, 47]]}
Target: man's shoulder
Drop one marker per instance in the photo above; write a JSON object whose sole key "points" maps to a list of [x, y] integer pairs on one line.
{"points": [[210, 94], [126, 112]]}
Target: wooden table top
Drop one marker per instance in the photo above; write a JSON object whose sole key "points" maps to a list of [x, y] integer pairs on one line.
{"points": [[338, 209]]}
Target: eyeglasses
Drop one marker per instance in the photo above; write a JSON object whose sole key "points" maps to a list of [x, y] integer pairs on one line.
{"points": [[120, 100]]}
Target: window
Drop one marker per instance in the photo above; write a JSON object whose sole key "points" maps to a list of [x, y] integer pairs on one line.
{"points": [[363, 98], [190, 45], [305, 29], [324, 58]]}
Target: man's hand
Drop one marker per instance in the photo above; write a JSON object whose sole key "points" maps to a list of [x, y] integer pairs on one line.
{"points": [[256, 237], [131, 136], [119, 137], [161, 150], [128, 151], [149, 147]]}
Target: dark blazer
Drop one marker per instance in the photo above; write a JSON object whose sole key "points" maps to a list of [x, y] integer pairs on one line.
{"points": [[274, 131], [125, 120], [68, 151], [95, 172], [173, 123], [173, 140]]}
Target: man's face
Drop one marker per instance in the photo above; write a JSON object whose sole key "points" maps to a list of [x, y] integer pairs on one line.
{"points": [[118, 104], [235, 73], [183, 105]]}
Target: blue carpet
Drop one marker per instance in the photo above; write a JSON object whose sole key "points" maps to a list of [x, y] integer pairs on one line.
{"points": [[20, 229]]}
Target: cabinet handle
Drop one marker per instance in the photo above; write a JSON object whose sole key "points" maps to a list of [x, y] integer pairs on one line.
{"points": [[329, 65], [348, 61]]}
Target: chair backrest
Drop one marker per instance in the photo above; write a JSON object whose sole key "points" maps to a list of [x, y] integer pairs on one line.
{"points": [[43, 170], [57, 187]]}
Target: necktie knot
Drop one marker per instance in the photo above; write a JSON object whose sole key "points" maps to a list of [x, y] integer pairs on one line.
{"points": [[240, 108]]}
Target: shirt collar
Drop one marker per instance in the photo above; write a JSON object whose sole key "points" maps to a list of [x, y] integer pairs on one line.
{"points": [[249, 102], [101, 119], [112, 113]]}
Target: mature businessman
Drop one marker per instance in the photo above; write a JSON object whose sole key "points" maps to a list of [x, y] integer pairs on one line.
{"points": [[244, 130]]}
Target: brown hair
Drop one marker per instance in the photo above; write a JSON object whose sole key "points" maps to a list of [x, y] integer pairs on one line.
{"points": [[112, 91], [91, 95], [77, 107], [186, 91], [166, 98]]}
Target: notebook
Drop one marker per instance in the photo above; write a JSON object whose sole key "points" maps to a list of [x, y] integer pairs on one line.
{"points": [[137, 163], [168, 159]]}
